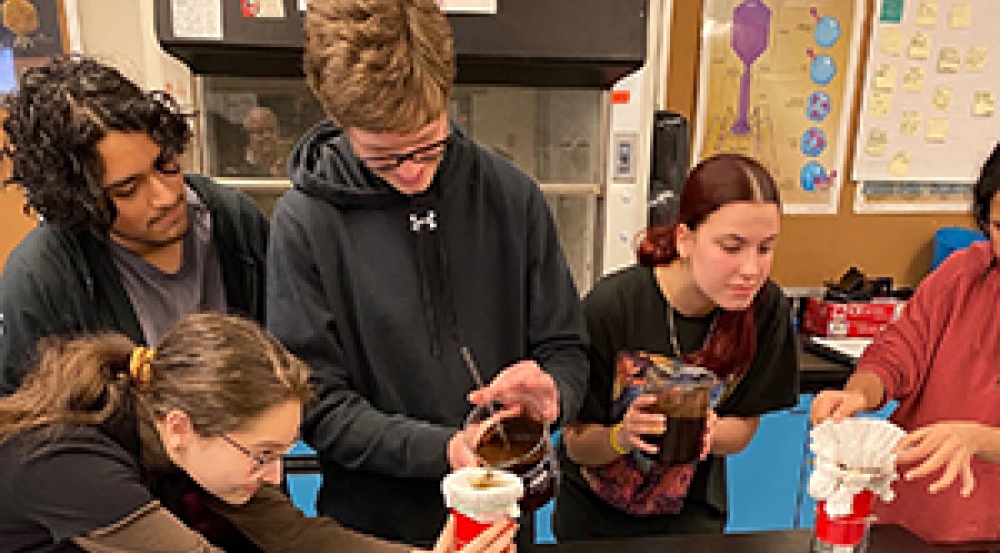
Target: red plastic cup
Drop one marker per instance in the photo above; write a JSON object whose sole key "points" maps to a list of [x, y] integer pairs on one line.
{"points": [[475, 507], [846, 530], [467, 529]]}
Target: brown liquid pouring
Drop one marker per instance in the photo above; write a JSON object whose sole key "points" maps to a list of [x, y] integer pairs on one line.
{"points": [[527, 453]]}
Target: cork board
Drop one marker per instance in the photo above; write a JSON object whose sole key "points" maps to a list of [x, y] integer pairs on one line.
{"points": [[14, 224], [814, 248]]}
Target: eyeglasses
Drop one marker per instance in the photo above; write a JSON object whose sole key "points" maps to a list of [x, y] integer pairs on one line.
{"points": [[424, 154], [260, 460]]}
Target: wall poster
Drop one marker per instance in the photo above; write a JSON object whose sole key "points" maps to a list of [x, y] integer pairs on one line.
{"points": [[777, 84]]}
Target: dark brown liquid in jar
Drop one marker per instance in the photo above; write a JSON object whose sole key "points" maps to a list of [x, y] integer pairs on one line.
{"points": [[536, 466], [681, 443]]}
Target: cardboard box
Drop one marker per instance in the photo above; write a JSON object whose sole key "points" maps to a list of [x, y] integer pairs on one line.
{"points": [[824, 318]]}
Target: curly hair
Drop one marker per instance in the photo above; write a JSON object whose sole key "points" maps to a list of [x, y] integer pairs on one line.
{"points": [[54, 123], [379, 65]]}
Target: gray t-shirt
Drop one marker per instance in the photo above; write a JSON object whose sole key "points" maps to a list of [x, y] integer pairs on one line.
{"points": [[161, 299]]}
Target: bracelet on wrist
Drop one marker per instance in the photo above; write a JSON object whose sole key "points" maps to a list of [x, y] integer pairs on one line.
{"points": [[613, 438]]}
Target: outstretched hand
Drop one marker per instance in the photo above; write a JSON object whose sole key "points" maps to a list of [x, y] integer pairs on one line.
{"points": [[947, 447]]}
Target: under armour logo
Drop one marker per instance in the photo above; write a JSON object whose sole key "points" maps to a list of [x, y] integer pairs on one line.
{"points": [[429, 220]]}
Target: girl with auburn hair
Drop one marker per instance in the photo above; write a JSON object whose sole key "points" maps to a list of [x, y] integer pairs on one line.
{"points": [[109, 447], [701, 294]]}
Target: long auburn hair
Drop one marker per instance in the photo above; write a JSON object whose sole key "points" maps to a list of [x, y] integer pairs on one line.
{"points": [[717, 181], [222, 371]]}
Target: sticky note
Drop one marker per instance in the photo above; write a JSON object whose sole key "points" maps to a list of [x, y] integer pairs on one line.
{"points": [[927, 14], [880, 104], [942, 98], [885, 76], [878, 141], [892, 11], [891, 40], [937, 129], [975, 59], [909, 122], [913, 79], [960, 16], [899, 165], [949, 60], [983, 103], [920, 46]]}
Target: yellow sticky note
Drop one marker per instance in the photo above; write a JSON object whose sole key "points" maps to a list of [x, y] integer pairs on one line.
{"points": [[878, 141], [942, 98], [885, 76], [983, 103], [927, 14], [937, 129], [899, 165], [975, 59], [891, 41], [949, 60], [960, 16], [920, 46], [909, 122], [913, 79], [880, 104]]}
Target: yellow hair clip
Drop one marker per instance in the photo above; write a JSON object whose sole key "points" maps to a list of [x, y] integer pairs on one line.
{"points": [[139, 368]]}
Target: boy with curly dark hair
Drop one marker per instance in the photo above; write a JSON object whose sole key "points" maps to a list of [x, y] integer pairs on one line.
{"points": [[127, 242]]}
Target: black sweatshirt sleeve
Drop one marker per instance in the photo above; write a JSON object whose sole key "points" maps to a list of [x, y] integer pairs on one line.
{"points": [[27, 313]]}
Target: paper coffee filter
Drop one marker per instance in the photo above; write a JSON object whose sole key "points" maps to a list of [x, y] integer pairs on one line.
{"points": [[851, 456], [463, 492], [857, 443]]}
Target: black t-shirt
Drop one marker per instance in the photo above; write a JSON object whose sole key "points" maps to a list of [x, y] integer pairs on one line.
{"points": [[56, 490], [627, 312]]}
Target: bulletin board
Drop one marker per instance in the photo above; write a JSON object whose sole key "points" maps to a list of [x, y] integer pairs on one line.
{"points": [[927, 119]]}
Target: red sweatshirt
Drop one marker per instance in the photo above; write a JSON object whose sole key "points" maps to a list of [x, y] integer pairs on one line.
{"points": [[941, 360]]}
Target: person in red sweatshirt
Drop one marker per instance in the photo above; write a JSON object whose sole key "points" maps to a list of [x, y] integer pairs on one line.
{"points": [[940, 362]]}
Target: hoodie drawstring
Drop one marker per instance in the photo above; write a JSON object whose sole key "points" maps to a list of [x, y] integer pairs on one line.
{"points": [[423, 226]]}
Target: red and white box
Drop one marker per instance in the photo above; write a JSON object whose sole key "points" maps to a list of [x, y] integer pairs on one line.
{"points": [[849, 320]]}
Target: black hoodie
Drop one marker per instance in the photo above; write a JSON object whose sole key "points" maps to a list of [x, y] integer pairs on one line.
{"points": [[378, 290]]}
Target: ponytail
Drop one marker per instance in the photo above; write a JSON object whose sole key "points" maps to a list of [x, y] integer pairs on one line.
{"points": [[82, 381], [222, 371], [657, 246]]}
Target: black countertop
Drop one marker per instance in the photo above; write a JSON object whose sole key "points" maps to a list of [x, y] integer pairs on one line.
{"points": [[884, 539], [820, 373]]}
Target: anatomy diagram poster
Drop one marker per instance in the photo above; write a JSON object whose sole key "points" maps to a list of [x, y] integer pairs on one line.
{"points": [[777, 84]]}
